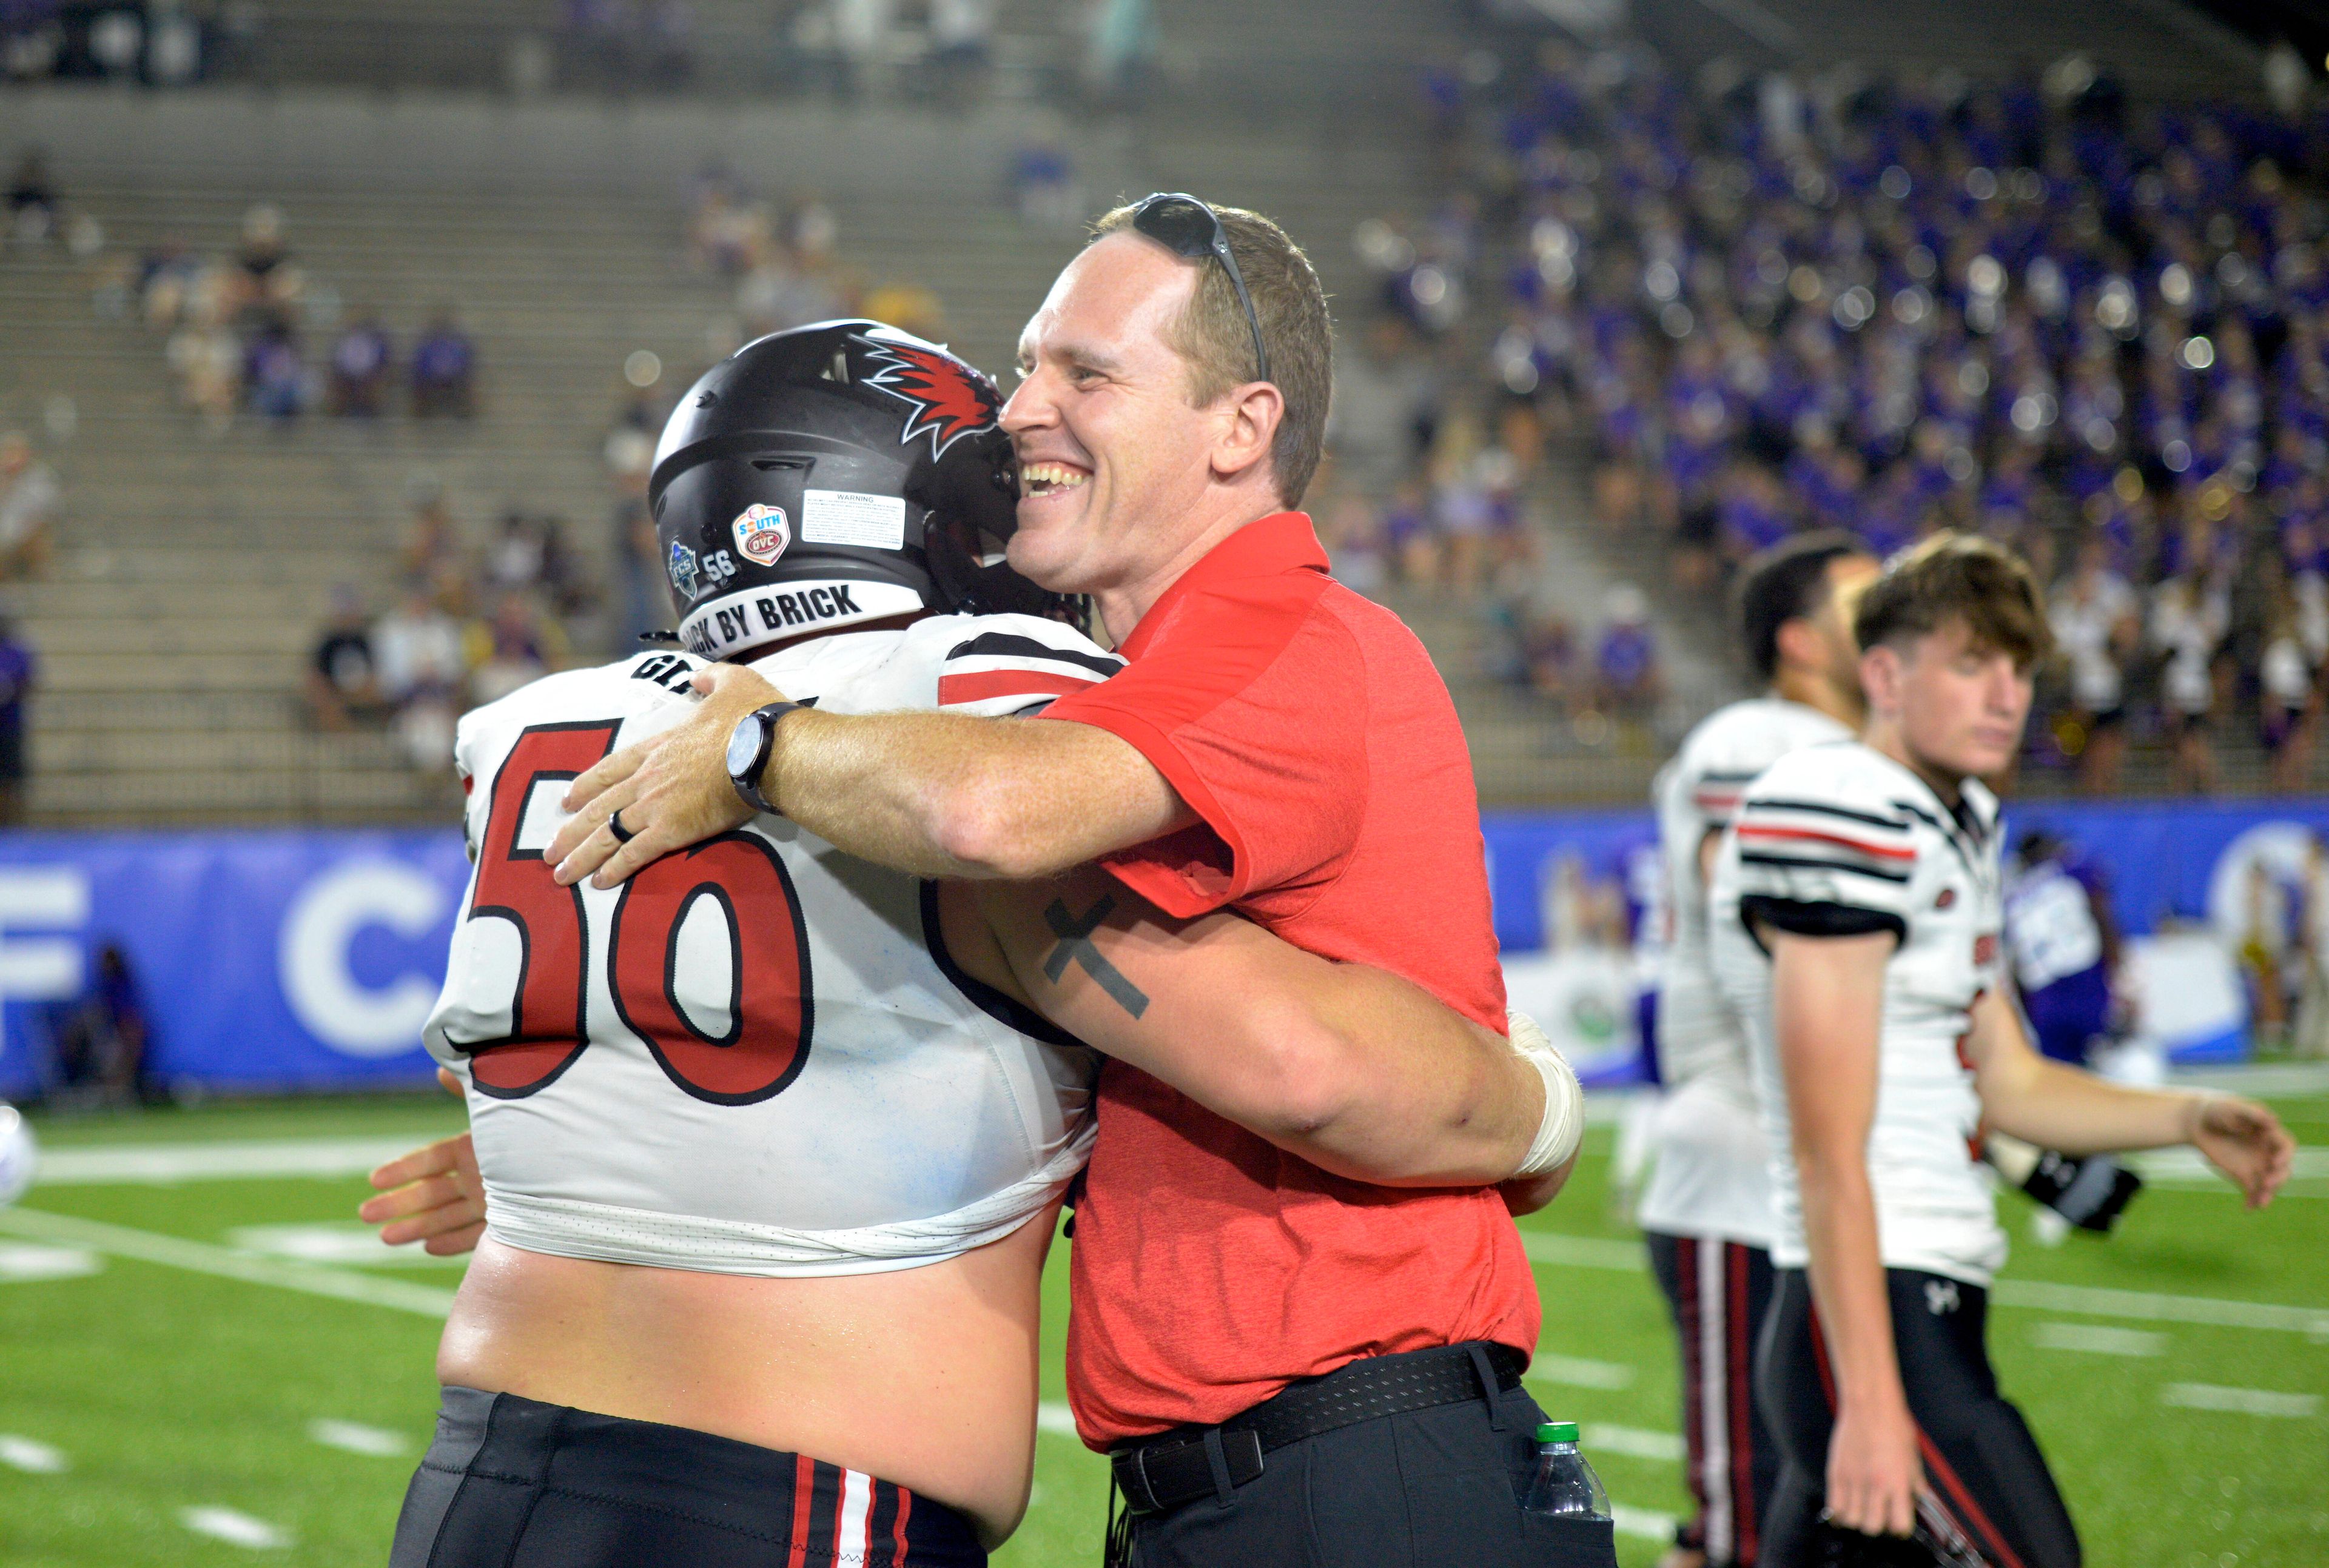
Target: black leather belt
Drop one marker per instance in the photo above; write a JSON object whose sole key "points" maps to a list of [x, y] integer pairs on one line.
{"points": [[1162, 1473]]}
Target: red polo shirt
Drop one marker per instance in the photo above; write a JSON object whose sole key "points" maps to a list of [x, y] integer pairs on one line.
{"points": [[1308, 729]]}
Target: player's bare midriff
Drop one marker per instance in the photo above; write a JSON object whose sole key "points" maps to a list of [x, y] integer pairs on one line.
{"points": [[924, 1376]]}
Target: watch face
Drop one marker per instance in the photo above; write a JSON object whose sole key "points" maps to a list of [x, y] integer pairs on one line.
{"points": [[744, 745]]}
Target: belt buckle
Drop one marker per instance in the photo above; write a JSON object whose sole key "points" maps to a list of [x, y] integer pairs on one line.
{"points": [[1132, 1479]]}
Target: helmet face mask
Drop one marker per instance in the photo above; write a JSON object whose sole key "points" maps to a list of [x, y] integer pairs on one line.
{"points": [[831, 476]]}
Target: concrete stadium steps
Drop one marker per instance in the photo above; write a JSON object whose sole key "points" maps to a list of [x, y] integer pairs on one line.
{"points": [[215, 751], [194, 568], [1277, 59], [157, 797]]}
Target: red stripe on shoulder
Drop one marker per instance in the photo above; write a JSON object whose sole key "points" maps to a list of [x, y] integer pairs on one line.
{"points": [[1752, 830], [980, 685]]}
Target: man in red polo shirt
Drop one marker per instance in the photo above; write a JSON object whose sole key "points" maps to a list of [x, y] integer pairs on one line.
{"points": [[1281, 1360]]}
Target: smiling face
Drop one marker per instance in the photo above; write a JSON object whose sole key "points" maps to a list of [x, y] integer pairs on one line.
{"points": [[1950, 707], [1116, 465]]}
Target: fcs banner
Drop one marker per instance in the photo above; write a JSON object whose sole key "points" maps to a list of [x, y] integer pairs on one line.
{"points": [[301, 960], [308, 959]]}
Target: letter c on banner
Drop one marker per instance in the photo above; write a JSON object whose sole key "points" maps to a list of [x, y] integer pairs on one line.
{"points": [[353, 1019]]}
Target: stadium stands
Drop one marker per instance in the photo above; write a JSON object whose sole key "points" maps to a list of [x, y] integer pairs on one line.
{"points": [[166, 704], [559, 270]]}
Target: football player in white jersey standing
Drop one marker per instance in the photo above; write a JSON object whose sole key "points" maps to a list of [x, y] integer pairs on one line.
{"points": [[1854, 913], [1706, 1211], [766, 1143]]}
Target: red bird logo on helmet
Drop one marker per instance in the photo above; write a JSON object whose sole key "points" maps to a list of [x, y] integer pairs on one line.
{"points": [[948, 398]]}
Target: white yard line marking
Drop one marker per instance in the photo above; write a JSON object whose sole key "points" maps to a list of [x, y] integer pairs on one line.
{"points": [[2241, 1401], [1558, 1251], [354, 1437], [2289, 1079], [30, 1456], [162, 1164], [1584, 1251], [1647, 1523], [337, 1241], [2190, 1167], [1577, 1372], [2214, 1313], [1055, 1418], [1638, 1442], [235, 1527], [2099, 1340], [175, 1253], [21, 1261]]}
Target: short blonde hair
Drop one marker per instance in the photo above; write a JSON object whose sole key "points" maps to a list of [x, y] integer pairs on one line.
{"points": [[1213, 335]]}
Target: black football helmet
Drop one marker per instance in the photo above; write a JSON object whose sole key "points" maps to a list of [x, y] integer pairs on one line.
{"points": [[831, 476]]}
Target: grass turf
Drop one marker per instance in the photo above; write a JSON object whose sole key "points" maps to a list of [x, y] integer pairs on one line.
{"points": [[167, 1389]]}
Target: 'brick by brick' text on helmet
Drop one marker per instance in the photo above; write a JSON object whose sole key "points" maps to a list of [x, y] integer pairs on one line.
{"points": [[833, 475]]}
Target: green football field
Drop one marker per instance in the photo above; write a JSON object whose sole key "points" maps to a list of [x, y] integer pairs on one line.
{"points": [[203, 1359]]}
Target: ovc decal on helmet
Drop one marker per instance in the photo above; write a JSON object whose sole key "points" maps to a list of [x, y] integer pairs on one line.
{"points": [[762, 532], [682, 569], [949, 399]]}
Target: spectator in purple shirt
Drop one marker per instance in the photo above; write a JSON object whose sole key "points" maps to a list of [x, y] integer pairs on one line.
{"points": [[361, 362], [1625, 662], [19, 673], [444, 372]]}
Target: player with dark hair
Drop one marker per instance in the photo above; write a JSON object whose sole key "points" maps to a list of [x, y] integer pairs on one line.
{"points": [[1855, 913], [766, 1142], [1706, 1209]]}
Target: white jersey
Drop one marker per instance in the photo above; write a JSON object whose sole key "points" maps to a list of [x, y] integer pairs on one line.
{"points": [[2085, 624], [1710, 1180], [1838, 839], [755, 1057]]}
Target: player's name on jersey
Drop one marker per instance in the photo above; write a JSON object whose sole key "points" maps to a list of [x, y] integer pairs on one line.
{"points": [[778, 610]]}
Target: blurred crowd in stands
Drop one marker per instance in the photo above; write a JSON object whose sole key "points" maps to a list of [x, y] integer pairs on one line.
{"points": [[2098, 334], [242, 330], [940, 51], [469, 621], [155, 43], [466, 625]]}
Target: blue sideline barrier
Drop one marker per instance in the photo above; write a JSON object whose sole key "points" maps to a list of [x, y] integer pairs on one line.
{"points": [[307, 959]]}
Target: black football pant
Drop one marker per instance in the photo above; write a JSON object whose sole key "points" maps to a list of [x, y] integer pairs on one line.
{"points": [[1428, 1489], [1983, 1469], [514, 1483], [1717, 1293]]}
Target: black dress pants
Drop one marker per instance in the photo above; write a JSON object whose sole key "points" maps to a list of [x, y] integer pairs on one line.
{"points": [[1429, 1489]]}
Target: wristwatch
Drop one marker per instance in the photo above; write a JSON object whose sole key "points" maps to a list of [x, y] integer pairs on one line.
{"points": [[748, 752]]}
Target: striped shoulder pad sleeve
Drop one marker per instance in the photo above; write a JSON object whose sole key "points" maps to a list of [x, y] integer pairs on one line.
{"points": [[1003, 665], [1715, 790], [1811, 863]]}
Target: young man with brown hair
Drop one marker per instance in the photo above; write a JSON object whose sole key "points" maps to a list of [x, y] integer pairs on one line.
{"points": [[1855, 918], [1256, 1341]]}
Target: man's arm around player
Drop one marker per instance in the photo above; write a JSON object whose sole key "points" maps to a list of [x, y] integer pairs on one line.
{"points": [[1357, 1071]]}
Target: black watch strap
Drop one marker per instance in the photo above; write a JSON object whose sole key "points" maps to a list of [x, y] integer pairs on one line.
{"points": [[746, 782]]}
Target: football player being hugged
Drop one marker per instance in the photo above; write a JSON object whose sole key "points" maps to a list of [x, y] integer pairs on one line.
{"points": [[1706, 1210], [1854, 914], [768, 1141]]}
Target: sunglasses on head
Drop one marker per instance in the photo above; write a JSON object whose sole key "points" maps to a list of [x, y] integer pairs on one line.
{"points": [[1187, 227]]}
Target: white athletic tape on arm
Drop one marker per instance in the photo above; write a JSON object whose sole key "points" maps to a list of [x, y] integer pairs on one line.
{"points": [[1563, 1127]]}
